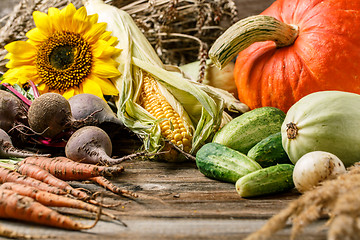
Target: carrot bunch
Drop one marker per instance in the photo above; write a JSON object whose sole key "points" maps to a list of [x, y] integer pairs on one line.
{"points": [[37, 183]]}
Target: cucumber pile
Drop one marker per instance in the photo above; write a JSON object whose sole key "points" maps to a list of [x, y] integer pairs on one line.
{"points": [[248, 152]]}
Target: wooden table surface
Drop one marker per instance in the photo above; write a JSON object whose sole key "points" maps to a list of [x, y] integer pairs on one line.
{"points": [[180, 203]]}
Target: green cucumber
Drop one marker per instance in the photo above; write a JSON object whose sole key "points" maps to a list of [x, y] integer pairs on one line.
{"points": [[266, 181], [269, 151], [222, 163], [246, 130]]}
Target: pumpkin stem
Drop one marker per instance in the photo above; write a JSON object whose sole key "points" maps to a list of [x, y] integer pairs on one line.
{"points": [[291, 130], [245, 32]]}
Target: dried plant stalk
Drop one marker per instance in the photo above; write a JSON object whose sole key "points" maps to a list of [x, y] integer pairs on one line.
{"points": [[338, 198], [345, 221], [179, 30]]}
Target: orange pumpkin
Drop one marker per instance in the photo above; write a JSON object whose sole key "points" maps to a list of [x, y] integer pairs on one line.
{"points": [[323, 52]]}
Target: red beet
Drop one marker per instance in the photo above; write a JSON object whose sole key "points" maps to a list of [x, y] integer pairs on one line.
{"points": [[12, 111], [90, 144], [91, 107], [94, 111], [50, 114]]}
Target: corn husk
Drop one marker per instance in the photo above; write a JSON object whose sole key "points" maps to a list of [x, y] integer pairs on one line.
{"points": [[200, 105]]}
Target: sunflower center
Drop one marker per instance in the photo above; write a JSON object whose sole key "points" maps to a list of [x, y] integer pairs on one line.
{"points": [[62, 57], [64, 61]]}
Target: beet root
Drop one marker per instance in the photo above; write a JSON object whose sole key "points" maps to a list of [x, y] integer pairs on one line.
{"points": [[12, 110], [94, 111], [7, 150], [50, 114], [91, 107], [90, 144]]}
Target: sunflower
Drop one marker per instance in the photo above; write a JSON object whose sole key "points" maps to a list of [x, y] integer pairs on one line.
{"points": [[68, 52]]}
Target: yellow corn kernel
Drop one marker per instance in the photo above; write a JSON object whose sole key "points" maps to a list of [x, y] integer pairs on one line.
{"points": [[156, 104], [164, 127], [177, 137]]}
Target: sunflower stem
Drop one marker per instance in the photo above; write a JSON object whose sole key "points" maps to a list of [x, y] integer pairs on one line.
{"points": [[19, 95]]}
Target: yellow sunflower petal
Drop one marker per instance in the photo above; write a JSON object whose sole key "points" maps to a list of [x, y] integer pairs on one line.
{"points": [[20, 75], [80, 21], [14, 63], [21, 49], [107, 87], [93, 34], [20, 53], [105, 36], [90, 86], [10, 76], [42, 88], [69, 93], [110, 39], [54, 15], [29, 72], [66, 14], [80, 15], [42, 22], [102, 49], [103, 69], [93, 18], [36, 37]]}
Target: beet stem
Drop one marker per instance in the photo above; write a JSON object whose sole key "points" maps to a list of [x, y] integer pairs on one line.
{"points": [[34, 88], [19, 95]]}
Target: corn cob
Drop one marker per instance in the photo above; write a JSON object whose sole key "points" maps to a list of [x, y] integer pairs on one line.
{"points": [[171, 124]]}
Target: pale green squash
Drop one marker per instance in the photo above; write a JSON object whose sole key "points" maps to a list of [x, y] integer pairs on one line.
{"points": [[324, 121]]}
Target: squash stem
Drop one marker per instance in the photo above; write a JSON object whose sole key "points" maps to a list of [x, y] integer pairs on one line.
{"points": [[291, 130], [247, 31]]}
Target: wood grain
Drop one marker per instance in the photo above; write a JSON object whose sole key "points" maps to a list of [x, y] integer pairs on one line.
{"points": [[176, 202]]}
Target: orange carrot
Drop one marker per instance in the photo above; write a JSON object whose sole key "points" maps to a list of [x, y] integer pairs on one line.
{"points": [[67, 169], [52, 200], [42, 175], [112, 187], [7, 175], [16, 206]]}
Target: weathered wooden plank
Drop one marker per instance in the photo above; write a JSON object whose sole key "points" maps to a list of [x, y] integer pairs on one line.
{"points": [[185, 192], [182, 204], [156, 228]]}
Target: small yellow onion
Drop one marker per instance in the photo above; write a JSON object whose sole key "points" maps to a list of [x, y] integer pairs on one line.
{"points": [[315, 167]]}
